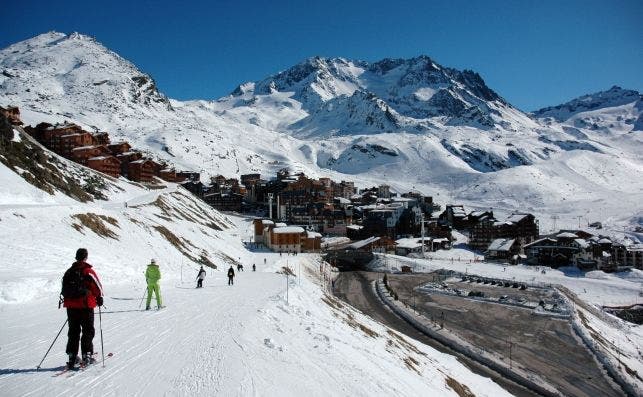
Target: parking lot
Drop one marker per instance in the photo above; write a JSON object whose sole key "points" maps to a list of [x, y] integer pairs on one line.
{"points": [[523, 328]]}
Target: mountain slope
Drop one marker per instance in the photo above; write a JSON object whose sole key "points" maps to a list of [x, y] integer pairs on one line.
{"points": [[255, 337], [410, 123]]}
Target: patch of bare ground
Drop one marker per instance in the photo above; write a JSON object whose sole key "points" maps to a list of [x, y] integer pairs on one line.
{"points": [[136, 222], [163, 206], [462, 390], [608, 346], [45, 171], [204, 260], [332, 302], [227, 258], [350, 320], [412, 364], [286, 270], [95, 223], [110, 220], [168, 212], [181, 244], [403, 342], [171, 238]]}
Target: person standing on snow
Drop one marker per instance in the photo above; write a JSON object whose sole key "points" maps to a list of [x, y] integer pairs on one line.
{"points": [[200, 277], [152, 276], [81, 293], [231, 276], [254, 268]]}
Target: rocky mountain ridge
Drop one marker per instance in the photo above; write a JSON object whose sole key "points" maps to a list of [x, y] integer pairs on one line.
{"points": [[451, 134]]}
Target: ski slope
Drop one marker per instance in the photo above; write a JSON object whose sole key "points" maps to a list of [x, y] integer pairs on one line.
{"points": [[239, 340], [259, 337]]}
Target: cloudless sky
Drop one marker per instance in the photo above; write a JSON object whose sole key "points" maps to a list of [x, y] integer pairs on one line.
{"points": [[534, 53]]}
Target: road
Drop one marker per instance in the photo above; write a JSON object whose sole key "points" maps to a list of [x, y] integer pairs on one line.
{"points": [[543, 345]]}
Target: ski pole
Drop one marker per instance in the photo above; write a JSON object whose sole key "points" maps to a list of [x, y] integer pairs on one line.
{"points": [[52, 344], [141, 303], [100, 325]]}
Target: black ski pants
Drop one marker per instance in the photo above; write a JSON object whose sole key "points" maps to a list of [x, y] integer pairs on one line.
{"points": [[230, 280], [199, 283], [80, 319]]}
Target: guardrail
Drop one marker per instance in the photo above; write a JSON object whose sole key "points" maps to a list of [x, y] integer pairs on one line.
{"points": [[465, 350]]}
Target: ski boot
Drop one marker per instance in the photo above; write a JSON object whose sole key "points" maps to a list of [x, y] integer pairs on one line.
{"points": [[73, 360], [88, 359]]}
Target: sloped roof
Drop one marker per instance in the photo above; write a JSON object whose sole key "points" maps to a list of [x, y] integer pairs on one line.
{"points": [[409, 243], [581, 243], [288, 229], [362, 243], [85, 147], [103, 158], [542, 240], [516, 217], [567, 235], [501, 244]]}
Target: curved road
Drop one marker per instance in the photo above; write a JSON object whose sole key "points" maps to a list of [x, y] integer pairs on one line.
{"points": [[356, 288]]}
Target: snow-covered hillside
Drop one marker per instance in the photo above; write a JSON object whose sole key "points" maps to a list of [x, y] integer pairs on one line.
{"points": [[258, 337], [411, 123]]}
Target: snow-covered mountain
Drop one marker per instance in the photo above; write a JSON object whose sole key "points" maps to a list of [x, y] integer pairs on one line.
{"points": [[409, 122], [606, 111]]}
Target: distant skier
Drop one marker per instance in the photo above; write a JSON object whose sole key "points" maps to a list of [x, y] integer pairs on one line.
{"points": [[152, 276], [81, 293], [200, 277], [231, 276], [254, 267], [239, 267]]}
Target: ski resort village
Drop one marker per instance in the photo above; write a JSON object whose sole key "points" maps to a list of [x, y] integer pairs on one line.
{"points": [[339, 228]]}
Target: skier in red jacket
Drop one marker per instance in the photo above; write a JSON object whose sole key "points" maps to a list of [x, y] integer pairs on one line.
{"points": [[82, 292]]}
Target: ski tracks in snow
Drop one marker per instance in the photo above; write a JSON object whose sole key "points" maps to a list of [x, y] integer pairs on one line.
{"points": [[195, 345]]}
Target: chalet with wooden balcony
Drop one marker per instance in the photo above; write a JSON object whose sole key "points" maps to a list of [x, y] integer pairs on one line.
{"points": [[66, 143], [101, 138], [224, 201], [170, 175], [108, 164], [286, 239], [83, 153], [141, 170], [119, 148], [520, 226]]}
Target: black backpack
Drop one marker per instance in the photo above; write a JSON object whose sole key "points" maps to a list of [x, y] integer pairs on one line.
{"points": [[73, 285]]}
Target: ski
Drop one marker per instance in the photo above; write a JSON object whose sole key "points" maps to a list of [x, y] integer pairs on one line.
{"points": [[73, 371], [82, 367]]}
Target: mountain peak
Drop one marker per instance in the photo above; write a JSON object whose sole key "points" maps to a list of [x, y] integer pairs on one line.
{"points": [[58, 67], [615, 96]]}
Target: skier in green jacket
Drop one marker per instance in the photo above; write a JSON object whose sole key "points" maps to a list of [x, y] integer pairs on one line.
{"points": [[152, 276]]}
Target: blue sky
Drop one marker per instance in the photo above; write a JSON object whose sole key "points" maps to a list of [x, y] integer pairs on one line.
{"points": [[533, 53]]}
